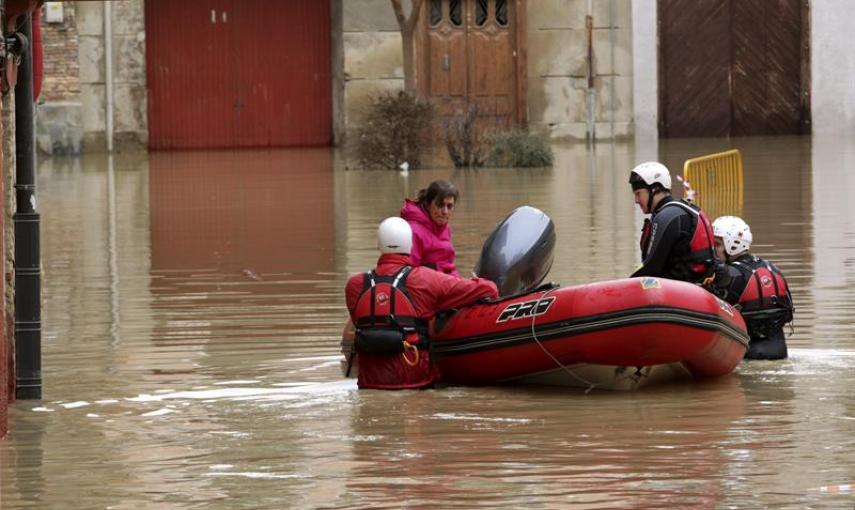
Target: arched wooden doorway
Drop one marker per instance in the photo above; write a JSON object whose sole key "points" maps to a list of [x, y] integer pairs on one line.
{"points": [[472, 52]]}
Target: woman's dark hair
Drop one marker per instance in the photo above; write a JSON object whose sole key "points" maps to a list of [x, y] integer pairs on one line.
{"points": [[438, 191]]}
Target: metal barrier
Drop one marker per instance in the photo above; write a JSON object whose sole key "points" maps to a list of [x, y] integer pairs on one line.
{"points": [[717, 182]]}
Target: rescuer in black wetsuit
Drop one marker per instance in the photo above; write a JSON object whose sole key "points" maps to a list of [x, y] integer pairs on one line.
{"points": [[677, 240]]}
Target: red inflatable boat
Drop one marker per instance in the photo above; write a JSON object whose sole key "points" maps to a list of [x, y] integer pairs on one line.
{"points": [[619, 334]]}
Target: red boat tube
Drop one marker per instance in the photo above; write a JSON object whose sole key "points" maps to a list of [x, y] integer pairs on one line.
{"points": [[628, 327]]}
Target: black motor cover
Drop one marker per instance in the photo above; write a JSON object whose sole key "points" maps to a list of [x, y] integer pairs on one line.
{"points": [[518, 254]]}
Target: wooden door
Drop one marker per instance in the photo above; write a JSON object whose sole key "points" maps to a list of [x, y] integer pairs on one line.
{"points": [[238, 73], [471, 58], [491, 61], [733, 67], [768, 95], [447, 73]]}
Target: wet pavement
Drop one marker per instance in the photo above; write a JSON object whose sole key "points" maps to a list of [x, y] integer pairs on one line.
{"points": [[193, 307]]}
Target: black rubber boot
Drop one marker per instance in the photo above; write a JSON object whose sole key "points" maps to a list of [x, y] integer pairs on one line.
{"points": [[772, 347]]}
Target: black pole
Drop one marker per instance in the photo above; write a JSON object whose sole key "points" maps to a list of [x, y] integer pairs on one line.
{"points": [[28, 321]]}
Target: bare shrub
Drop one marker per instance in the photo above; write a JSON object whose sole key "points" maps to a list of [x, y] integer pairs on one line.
{"points": [[465, 140], [395, 131]]}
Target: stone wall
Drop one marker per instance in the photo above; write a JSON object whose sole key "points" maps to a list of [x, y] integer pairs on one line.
{"points": [[556, 52], [7, 366], [645, 68], [832, 68], [557, 84], [372, 57], [129, 88]]}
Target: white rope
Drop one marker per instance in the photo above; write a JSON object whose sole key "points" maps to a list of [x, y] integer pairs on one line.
{"points": [[591, 385]]}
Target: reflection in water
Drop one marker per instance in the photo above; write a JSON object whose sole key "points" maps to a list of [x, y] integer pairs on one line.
{"points": [[834, 234], [225, 212], [193, 304], [537, 446]]}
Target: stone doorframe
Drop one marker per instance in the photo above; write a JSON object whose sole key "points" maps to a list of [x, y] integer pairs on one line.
{"points": [[423, 58]]}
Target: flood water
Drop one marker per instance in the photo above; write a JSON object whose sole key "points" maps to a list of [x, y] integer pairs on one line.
{"points": [[193, 307]]}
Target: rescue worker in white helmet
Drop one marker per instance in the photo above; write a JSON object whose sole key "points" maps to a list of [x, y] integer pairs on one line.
{"points": [[756, 287], [677, 240], [391, 305]]}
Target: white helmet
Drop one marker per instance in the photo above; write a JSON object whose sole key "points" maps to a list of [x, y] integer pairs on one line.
{"points": [[394, 236], [735, 233], [647, 174]]}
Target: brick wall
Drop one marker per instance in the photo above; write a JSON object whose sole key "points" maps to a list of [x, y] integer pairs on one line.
{"points": [[61, 65], [5, 363]]}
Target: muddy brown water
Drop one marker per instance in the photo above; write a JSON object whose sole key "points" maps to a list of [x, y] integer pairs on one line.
{"points": [[193, 306]]}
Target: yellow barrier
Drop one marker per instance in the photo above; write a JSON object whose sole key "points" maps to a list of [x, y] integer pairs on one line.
{"points": [[717, 181]]}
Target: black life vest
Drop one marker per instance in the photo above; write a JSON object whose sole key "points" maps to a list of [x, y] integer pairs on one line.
{"points": [[384, 315], [765, 302], [690, 263]]}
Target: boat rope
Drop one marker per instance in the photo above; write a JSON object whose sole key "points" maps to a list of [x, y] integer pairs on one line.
{"points": [[567, 369]]}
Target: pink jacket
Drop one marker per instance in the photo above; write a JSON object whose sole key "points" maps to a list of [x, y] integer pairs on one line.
{"points": [[431, 243]]}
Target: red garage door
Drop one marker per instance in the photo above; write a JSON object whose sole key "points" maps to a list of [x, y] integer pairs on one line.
{"points": [[238, 73]]}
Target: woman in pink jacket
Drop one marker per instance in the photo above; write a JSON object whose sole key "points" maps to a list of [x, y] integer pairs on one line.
{"points": [[428, 216]]}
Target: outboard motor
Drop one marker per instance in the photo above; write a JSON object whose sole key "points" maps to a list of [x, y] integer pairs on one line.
{"points": [[518, 254]]}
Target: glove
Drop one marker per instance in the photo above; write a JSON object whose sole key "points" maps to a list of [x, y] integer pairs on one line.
{"points": [[722, 275]]}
